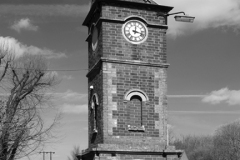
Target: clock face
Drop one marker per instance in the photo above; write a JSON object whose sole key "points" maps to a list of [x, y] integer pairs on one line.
{"points": [[94, 38], [135, 31]]}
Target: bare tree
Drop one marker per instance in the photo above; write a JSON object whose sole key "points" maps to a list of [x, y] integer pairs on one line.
{"points": [[171, 134], [227, 142], [75, 152], [223, 145], [24, 82], [196, 147]]}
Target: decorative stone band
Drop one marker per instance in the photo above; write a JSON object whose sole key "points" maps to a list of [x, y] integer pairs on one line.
{"points": [[133, 17], [144, 147], [114, 149], [135, 62], [96, 67]]}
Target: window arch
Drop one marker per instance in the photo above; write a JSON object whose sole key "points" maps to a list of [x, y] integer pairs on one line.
{"points": [[136, 92], [95, 99]]}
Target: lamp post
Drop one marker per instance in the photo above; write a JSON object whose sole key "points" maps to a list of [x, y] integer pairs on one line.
{"points": [[50, 154], [183, 18]]}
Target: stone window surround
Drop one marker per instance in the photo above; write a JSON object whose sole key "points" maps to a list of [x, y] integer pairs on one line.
{"points": [[94, 104], [136, 92], [144, 99]]}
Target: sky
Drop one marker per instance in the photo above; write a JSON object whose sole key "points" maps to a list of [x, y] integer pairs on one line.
{"points": [[204, 56]]}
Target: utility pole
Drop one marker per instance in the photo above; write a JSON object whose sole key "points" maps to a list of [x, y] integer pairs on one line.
{"points": [[47, 153], [50, 154], [43, 154]]}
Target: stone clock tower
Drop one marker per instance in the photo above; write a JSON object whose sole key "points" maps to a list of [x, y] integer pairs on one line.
{"points": [[127, 81]]}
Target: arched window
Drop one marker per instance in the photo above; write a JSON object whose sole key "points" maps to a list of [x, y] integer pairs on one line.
{"points": [[135, 102], [94, 113], [136, 92]]}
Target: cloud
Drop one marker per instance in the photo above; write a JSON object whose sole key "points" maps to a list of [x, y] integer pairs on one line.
{"points": [[208, 13], [204, 112], [67, 77], [18, 49], [44, 10], [70, 95], [74, 109], [51, 74], [185, 96], [24, 24], [231, 97]]}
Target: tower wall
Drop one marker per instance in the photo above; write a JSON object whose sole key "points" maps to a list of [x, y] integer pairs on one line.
{"points": [[127, 82], [120, 78]]}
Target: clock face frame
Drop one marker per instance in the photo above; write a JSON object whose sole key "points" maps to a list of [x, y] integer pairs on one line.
{"points": [[94, 43], [135, 31]]}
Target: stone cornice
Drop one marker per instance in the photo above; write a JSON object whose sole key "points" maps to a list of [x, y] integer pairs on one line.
{"points": [[123, 21], [98, 151], [155, 7]]}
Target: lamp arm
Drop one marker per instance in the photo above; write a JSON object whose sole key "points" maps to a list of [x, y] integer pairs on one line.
{"points": [[161, 14], [175, 13]]}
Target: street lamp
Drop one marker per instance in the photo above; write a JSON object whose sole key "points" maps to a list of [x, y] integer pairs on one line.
{"points": [[183, 18]]}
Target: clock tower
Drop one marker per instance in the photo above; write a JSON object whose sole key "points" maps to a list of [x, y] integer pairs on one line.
{"points": [[127, 110]]}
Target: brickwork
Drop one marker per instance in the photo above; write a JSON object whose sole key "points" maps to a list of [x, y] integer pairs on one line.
{"points": [[94, 81], [116, 47], [112, 43], [94, 57], [120, 79], [133, 111], [116, 12]]}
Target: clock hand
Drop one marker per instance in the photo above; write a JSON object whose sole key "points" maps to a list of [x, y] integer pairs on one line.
{"points": [[135, 31]]}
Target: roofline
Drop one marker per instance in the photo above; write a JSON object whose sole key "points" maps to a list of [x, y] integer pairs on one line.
{"points": [[143, 5]]}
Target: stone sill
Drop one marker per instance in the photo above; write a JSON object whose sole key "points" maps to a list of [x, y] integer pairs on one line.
{"points": [[136, 128]]}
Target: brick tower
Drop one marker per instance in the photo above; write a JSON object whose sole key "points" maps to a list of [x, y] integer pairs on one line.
{"points": [[127, 81]]}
